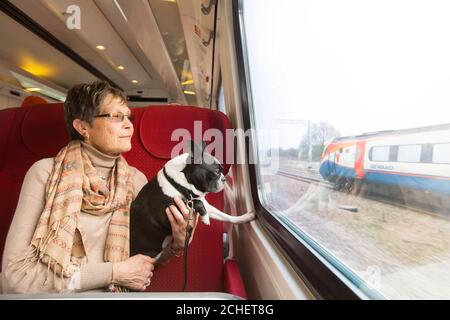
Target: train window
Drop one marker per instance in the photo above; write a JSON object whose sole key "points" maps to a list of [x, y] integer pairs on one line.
{"points": [[221, 100], [441, 153], [409, 153], [380, 153], [323, 76]]}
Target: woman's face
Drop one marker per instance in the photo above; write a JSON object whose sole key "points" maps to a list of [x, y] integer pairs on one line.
{"points": [[110, 135]]}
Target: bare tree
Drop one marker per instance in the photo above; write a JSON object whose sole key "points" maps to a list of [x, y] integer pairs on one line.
{"points": [[321, 132]]}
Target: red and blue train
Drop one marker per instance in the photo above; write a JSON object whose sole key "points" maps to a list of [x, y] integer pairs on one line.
{"points": [[417, 159]]}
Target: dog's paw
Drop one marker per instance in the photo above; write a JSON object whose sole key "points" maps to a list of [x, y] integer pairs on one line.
{"points": [[249, 216], [205, 220]]}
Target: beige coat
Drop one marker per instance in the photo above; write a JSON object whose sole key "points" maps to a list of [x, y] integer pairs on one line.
{"points": [[96, 274]]}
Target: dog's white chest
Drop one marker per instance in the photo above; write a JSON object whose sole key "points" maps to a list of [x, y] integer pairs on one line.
{"points": [[166, 187]]}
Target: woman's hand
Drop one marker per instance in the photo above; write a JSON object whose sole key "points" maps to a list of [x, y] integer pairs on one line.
{"points": [[178, 222], [134, 273]]}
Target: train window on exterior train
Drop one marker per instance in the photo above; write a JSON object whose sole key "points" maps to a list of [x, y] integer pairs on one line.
{"points": [[380, 153], [409, 153], [327, 76], [441, 153]]}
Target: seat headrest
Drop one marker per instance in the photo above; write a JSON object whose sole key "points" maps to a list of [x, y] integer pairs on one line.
{"points": [[44, 131], [159, 123], [33, 101]]}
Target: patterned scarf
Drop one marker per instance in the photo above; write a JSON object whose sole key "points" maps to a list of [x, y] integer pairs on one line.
{"points": [[73, 186]]}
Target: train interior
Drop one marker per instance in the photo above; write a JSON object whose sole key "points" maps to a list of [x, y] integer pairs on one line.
{"points": [[330, 122]]}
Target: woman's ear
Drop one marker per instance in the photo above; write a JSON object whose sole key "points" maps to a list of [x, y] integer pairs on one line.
{"points": [[81, 127]]}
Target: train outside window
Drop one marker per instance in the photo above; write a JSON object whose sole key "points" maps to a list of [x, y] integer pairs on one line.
{"points": [[409, 153], [370, 78], [441, 153], [380, 153]]}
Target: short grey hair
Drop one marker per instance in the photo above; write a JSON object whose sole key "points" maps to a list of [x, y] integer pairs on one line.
{"points": [[83, 102]]}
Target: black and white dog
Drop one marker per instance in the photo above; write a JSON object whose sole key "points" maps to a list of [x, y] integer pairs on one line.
{"points": [[189, 176]]}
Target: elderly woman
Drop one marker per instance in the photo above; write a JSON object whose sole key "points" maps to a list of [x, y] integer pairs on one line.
{"points": [[70, 231]]}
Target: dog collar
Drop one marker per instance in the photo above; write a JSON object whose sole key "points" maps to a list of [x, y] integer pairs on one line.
{"points": [[188, 194]]}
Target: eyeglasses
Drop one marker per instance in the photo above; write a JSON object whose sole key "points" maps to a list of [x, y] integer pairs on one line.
{"points": [[118, 117]]}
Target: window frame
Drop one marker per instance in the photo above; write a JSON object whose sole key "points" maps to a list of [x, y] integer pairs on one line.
{"points": [[393, 153], [322, 278], [426, 153]]}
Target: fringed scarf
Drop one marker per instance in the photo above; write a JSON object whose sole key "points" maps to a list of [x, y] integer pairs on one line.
{"points": [[73, 186]]}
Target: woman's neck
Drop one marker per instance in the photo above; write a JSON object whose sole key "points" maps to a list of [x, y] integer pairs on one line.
{"points": [[98, 158]]}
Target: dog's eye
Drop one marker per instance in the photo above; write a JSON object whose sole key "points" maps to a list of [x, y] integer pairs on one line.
{"points": [[218, 171]]}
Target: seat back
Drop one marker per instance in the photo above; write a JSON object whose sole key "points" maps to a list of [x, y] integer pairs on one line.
{"points": [[29, 134]]}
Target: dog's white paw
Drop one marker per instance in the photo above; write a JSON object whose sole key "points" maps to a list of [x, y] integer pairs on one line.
{"points": [[205, 220], [248, 216]]}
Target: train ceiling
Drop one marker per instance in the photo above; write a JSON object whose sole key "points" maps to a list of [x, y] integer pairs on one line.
{"points": [[153, 48]]}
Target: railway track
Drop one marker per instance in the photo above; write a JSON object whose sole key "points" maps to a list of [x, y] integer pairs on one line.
{"points": [[368, 194], [310, 178]]}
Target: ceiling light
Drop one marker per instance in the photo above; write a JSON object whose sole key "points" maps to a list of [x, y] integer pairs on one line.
{"points": [[185, 83], [100, 47], [33, 89], [134, 81], [34, 86], [189, 92], [121, 67], [36, 68], [120, 10]]}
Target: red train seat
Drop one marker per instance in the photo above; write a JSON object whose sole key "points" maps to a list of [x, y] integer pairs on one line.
{"points": [[29, 134]]}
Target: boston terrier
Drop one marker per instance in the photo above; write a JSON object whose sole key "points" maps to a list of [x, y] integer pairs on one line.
{"points": [[189, 176]]}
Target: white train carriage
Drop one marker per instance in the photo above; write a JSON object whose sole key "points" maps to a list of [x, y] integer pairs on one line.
{"points": [[417, 159]]}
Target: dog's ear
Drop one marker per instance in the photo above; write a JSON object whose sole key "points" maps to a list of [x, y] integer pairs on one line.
{"points": [[195, 152], [195, 147]]}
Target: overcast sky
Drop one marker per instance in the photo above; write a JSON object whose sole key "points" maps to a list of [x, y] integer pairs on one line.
{"points": [[360, 65]]}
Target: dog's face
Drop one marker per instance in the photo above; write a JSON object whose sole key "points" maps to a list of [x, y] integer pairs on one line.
{"points": [[203, 170]]}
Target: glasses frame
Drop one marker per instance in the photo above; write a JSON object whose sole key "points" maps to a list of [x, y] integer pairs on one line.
{"points": [[119, 116]]}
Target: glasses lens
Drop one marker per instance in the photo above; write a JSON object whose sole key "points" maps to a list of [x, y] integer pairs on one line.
{"points": [[120, 117]]}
